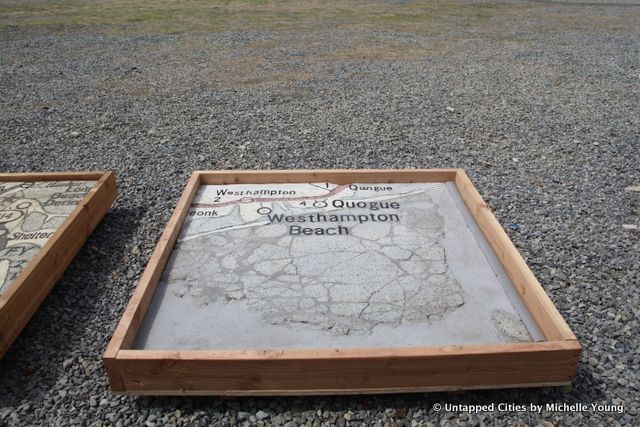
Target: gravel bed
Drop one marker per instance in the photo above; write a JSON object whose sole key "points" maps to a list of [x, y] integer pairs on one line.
{"points": [[546, 121]]}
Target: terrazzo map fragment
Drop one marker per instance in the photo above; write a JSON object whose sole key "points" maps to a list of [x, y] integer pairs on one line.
{"points": [[30, 213], [307, 263], [338, 257]]}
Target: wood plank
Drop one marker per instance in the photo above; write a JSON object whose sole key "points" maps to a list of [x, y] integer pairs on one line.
{"points": [[133, 316], [533, 295], [335, 392], [347, 353], [51, 176], [336, 176], [22, 298], [187, 372], [103, 194]]}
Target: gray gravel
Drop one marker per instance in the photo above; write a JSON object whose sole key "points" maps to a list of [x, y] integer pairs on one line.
{"points": [[545, 119]]}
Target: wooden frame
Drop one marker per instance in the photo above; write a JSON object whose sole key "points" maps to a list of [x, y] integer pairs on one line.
{"points": [[551, 362], [24, 295]]}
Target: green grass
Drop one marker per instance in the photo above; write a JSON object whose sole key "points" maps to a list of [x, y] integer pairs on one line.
{"points": [[226, 15], [202, 16]]}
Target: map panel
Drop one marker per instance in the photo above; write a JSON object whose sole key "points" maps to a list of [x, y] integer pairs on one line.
{"points": [[30, 213], [313, 265]]}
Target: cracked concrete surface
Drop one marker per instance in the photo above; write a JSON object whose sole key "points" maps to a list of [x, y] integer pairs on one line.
{"points": [[246, 282], [383, 273]]}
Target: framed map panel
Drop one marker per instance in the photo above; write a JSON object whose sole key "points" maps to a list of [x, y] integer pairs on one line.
{"points": [[44, 220], [336, 281]]}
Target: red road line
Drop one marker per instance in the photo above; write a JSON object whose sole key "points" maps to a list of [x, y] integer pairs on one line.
{"points": [[333, 192]]}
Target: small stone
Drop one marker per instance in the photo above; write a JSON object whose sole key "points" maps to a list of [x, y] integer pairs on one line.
{"points": [[451, 109], [261, 415], [348, 416], [67, 363], [4, 412], [630, 226], [635, 188], [74, 134], [593, 361]]}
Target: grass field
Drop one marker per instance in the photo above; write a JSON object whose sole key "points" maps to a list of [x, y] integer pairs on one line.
{"points": [[448, 25], [162, 16]]}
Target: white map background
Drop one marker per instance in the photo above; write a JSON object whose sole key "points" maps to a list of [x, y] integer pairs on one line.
{"points": [[243, 278]]}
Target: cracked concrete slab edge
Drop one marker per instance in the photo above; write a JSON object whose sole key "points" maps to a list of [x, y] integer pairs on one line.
{"points": [[494, 262]]}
